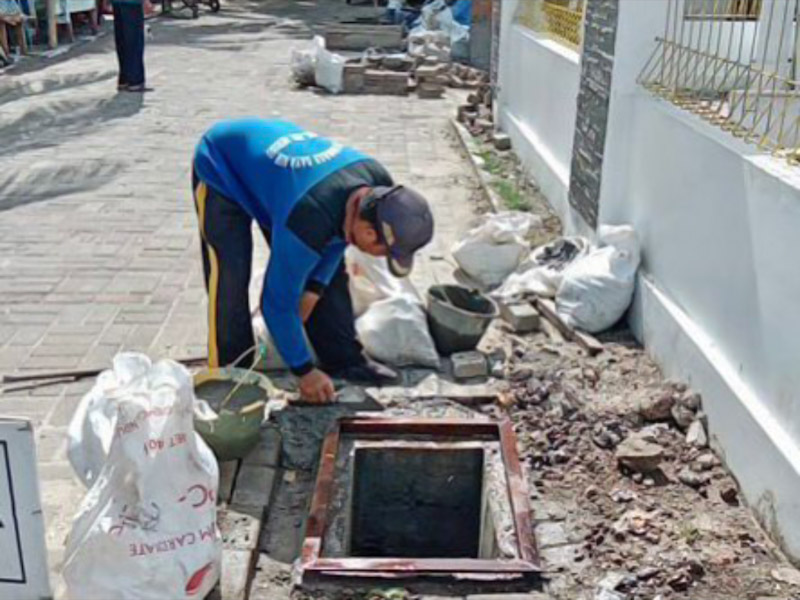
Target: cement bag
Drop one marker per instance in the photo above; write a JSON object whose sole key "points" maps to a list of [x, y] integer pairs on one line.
{"points": [[541, 273], [370, 280], [147, 527], [92, 426], [597, 288], [492, 251], [329, 70], [395, 331], [304, 63]]}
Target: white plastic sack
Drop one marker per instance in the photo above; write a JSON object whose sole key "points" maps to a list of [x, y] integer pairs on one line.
{"points": [[92, 426], [329, 69], [492, 251], [395, 331], [304, 62], [371, 280], [541, 273], [597, 288], [147, 527]]}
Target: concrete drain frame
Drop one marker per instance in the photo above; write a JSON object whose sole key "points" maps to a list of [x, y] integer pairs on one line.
{"points": [[519, 560]]}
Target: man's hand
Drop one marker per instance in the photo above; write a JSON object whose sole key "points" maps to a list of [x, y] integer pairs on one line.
{"points": [[307, 304], [316, 387]]}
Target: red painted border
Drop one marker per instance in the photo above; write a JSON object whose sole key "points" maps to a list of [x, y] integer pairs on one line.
{"points": [[313, 564]]}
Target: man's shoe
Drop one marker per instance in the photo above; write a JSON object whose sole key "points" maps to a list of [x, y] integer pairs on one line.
{"points": [[368, 373]]}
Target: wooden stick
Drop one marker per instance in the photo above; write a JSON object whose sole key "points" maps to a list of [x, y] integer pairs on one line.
{"points": [[584, 340], [75, 374]]}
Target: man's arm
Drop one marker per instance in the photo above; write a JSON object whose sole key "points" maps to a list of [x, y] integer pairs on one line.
{"points": [[290, 264], [324, 271]]}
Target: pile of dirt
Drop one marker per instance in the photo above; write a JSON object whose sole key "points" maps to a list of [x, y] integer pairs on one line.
{"points": [[622, 458]]}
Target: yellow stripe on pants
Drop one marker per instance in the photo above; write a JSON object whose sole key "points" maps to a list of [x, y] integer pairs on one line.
{"points": [[201, 194]]}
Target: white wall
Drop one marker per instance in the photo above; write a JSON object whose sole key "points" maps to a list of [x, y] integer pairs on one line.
{"points": [[719, 286], [717, 304], [539, 81]]}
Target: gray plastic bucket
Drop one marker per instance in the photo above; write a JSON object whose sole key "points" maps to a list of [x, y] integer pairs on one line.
{"points": [[458, 319]]}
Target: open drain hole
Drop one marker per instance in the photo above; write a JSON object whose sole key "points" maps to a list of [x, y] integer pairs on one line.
{"points": [[414, 503]]}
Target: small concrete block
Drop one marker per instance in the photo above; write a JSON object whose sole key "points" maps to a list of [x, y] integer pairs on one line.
{"points": [[522, 317], [484, 125], [236, 567], [550, 533], [428, 72], [268, 451], [353, 78], [227, 475], [240, 527], [530, 596], [469, 364], [398, 62], [254, 486], [430, 91], [385, 82], [466, 113], [560, 557], [501, 141]]}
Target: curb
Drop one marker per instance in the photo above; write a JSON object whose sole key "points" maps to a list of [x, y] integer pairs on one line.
{"points": [[245, 494], [471, 149]]}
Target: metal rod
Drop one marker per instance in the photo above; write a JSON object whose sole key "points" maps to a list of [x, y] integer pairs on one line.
{"points": [[77, 374]]}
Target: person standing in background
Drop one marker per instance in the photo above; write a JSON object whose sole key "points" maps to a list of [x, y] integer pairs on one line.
{"points": [[129, 40]]}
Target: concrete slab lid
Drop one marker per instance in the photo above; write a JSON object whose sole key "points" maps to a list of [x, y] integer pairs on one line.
{"points": [[313, 566]]}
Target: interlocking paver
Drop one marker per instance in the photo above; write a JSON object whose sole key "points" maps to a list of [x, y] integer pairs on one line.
{"points": [[98, 244]]}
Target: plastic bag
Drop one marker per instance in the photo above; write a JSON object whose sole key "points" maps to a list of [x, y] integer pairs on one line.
{"points": [[304, 63], [147, 527], [329, 69], [541, 273], [371, 280], [92, 426], [395, 331], [597, 288], [493, 250]]}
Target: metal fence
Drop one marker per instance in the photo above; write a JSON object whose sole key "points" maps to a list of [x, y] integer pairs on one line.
{"points": [[733, 62], [561, 20]]}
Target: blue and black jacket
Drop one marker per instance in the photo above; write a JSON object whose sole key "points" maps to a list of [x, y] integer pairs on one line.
{"points": [[295, 184]]}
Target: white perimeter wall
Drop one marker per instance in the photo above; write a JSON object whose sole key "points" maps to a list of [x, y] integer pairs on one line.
{"points": [[718, 297], [717, 301], [539, 81]]}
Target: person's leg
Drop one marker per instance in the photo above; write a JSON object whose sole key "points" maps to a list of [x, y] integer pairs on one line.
{"points": [[119, 43], [227, 247], [331, 327], [132, 22], [136, 46]]}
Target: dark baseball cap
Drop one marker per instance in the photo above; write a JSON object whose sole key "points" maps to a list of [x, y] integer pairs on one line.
{"points": [[405, 224]]}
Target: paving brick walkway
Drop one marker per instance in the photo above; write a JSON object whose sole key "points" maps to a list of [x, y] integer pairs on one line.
{"points": [[98, 241]]}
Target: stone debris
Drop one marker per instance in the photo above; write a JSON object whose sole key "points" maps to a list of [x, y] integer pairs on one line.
{"points": [[696, 436], [730, 495], [657, 408], [788, 575], [692, 478], [642, 501], [639, 455]]}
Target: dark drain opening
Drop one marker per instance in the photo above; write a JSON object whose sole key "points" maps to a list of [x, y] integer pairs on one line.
{"points": [[412, 503]]}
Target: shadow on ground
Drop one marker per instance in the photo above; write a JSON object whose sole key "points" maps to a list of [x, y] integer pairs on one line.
{"points": [[58, 121], [51, 181]]}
